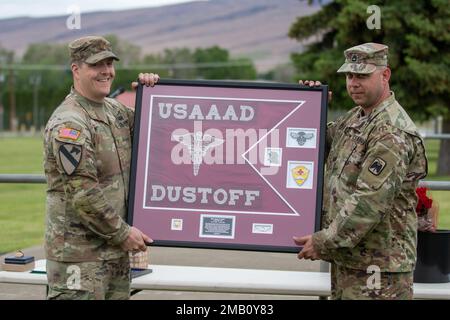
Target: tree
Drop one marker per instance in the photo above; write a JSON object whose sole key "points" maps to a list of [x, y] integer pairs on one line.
{"points": [[180, 62], [419, 53], [46, 53], [6, 57], [205, 63], [48, 62], [212, 62], [215, 63], [128, 53], [281, 73]]}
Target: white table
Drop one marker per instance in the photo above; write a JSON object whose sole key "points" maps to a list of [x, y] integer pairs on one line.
{"points": [[230, 280]]}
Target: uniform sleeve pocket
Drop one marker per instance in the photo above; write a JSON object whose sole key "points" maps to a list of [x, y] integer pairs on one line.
{"points": [[68, 148], [378, 167]]}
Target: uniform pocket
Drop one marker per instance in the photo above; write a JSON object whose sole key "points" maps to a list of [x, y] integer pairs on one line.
{"points": [[378, 167]]}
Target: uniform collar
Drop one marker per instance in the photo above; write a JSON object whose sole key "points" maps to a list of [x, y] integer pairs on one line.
{"points": [[380, 107], [95, 110], [360, 120]]}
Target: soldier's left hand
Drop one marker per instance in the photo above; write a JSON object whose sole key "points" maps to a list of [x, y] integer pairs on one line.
{"points": [[308, 251], [313, 83], [148, 79]]}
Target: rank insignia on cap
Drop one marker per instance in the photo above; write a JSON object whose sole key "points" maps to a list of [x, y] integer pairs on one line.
{"points": [[377, 166], [354, 58], [70, 156], [69, 133]]}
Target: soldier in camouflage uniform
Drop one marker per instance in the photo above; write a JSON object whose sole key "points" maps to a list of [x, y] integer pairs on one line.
{"points": [[375, 160], [87, 151]]}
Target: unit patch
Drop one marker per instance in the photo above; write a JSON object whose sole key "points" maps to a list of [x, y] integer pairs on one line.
{"points": [[70, 156], [377, 166]]}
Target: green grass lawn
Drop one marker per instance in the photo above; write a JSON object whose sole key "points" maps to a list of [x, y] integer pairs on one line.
{"points": [[443, 200], [22, 206], [442, 197]]}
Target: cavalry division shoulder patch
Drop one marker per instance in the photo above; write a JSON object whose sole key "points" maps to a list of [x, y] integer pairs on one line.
{"points": [[377, 166], [69, 133], [70, 156]]}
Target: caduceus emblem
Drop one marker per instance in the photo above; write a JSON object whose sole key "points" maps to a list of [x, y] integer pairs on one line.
{"points": [[198, 144]]}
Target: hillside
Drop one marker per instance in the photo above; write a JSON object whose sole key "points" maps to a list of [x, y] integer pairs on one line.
{"points": [[247, 28]]}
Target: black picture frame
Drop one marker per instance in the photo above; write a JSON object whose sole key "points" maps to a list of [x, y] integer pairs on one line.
{"points": [[317, 103]]}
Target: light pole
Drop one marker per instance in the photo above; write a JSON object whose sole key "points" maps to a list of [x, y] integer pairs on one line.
{"points": [[35, 81], [13, 122], [2, 110]]}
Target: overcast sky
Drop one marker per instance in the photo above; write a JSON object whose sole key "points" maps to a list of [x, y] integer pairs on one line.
{"points": [[44, 8]]}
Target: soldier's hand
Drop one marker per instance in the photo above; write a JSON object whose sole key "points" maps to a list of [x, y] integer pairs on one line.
{"points": [[147, 239], [313, 83], [136, 241], [308, 251], [310, 83], [148, 79]]}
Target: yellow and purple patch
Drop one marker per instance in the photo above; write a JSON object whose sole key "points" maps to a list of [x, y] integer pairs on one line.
{"points": [[69, 133]]}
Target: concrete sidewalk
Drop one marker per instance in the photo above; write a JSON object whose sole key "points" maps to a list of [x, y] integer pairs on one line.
{"points": [[187, 257]]}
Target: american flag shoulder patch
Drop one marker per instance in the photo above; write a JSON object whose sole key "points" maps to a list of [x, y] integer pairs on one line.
{"points": [[69, 133]]}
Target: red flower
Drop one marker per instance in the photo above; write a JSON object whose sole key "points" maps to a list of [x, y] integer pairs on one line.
{"points": [[424, 203]]}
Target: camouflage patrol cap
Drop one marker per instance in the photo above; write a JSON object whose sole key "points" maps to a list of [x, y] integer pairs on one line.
{"points": [[365, 58], [91, 49]]}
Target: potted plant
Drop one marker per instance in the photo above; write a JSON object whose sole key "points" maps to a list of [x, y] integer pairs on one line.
{"points": [[433, 245]]}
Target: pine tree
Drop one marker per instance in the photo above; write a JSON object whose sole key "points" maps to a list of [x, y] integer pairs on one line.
{"points": [[418, 36]]}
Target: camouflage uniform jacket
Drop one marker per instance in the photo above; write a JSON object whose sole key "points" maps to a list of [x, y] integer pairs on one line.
{"points": [[87, 153], [372, 171]]}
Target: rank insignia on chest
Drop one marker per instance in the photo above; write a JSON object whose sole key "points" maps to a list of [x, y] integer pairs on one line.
{"points": [[70, 156], [121, 121], [69, 133], [377, 166]]}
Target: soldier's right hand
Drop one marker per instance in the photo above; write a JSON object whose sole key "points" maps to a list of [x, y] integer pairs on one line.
{"points": [[310, 83], [147, 79], [313, 83], [136, 241]]}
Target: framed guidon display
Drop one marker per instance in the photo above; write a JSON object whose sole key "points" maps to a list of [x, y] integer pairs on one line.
{"points": [[236, 165]]}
